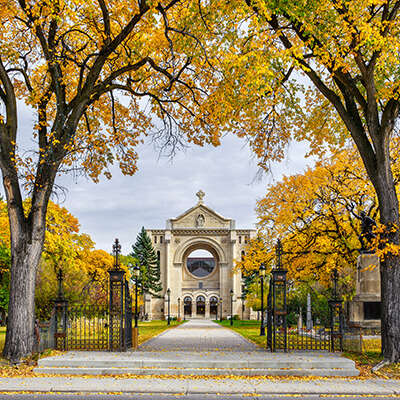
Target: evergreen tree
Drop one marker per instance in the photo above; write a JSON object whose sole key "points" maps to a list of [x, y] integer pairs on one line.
{"points": [[145, 254], [248, 279]]}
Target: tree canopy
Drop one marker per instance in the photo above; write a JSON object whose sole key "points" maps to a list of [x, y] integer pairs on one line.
{"points": [[347, 52], [98, 76], [85, 269], [206, 69]]}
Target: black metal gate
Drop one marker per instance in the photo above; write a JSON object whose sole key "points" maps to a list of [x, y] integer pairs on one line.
{"points": [[303, 334], [107, 327]]}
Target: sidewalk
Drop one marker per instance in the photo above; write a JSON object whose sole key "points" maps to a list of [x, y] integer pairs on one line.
{"points": [[158, 385], [182, 361]]}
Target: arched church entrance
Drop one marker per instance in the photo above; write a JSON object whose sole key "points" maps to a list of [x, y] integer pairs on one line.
{"points": [[187, 306], [213, 307], [201, 306], [196, 252]]}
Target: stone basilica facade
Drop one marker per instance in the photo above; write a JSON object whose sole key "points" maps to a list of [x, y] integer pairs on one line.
{"points": [[200, 282]]}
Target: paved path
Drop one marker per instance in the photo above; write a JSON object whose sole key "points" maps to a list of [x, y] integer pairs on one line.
{"points": [[200, 336]]}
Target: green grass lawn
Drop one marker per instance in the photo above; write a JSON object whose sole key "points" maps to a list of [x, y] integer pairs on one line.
{"points": [[249, 329], [149, 329]]}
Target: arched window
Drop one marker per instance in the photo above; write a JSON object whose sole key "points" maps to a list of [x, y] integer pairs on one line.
{"points": [[200, 263]]}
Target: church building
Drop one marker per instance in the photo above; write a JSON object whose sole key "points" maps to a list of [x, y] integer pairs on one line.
{"points": [[197, 251]]}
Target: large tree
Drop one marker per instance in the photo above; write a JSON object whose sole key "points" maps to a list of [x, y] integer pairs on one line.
{"points": [[150, 275], [313, 213], [83, 67], [346, 53]]}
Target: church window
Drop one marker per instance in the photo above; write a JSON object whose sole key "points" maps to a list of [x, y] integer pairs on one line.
{"points": [[155, 239], [245, 239], [240, 240], [158, 256], [161, 239], [372, 310], [200, 263]]}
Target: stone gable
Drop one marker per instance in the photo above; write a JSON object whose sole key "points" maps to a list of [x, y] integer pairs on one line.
{"points": [[200, 216]]}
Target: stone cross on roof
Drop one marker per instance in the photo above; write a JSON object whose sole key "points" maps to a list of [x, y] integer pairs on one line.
{"points": [[200, 194]]}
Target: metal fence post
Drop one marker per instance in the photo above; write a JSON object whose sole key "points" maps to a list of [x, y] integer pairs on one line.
{"points": [[116, 303], [336, 306], [60, 315]]}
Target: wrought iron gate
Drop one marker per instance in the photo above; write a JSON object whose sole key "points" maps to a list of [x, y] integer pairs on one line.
{"points": [[107, 327], [282, 335]]}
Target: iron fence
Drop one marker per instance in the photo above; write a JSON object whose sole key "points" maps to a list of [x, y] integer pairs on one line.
{"points": [[45, 335], [352, 338], [301, 338]]}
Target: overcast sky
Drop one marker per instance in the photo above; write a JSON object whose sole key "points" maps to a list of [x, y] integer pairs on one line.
{"points": [[162, 189]]}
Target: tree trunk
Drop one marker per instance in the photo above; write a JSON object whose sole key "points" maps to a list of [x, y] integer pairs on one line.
{"points": [[390, 263], [390, 282], [20, 336]]}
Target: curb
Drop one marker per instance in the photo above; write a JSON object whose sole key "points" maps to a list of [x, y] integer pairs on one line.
{"points": [[200, 386]]}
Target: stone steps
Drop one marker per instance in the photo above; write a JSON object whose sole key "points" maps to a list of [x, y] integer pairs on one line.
{"points": [[189, 364]]}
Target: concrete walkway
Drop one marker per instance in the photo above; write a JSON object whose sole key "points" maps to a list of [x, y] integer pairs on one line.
{"points": [[179, 386], [200, 347]]}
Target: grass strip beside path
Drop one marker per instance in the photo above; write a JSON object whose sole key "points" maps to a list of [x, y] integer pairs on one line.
{"points": [[148, 330], [364, 363]]}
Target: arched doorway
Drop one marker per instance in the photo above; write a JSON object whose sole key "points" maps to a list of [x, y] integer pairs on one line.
{"points": [[213, 307], [201, 306], [187, 307]]}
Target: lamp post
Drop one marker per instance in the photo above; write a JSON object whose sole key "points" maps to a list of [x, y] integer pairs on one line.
{"points": [[262, 276], [231, 294], [336, 305], [169, 304], [243, 298], [61, 309], [279, 301], [136, 274], [179, 309]]}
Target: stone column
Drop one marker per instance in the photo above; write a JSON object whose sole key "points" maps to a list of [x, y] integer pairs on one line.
{"points": [[207, 309]]}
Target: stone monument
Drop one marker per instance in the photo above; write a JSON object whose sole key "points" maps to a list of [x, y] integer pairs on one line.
{"points": [[365, 307], [309, 321]]}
